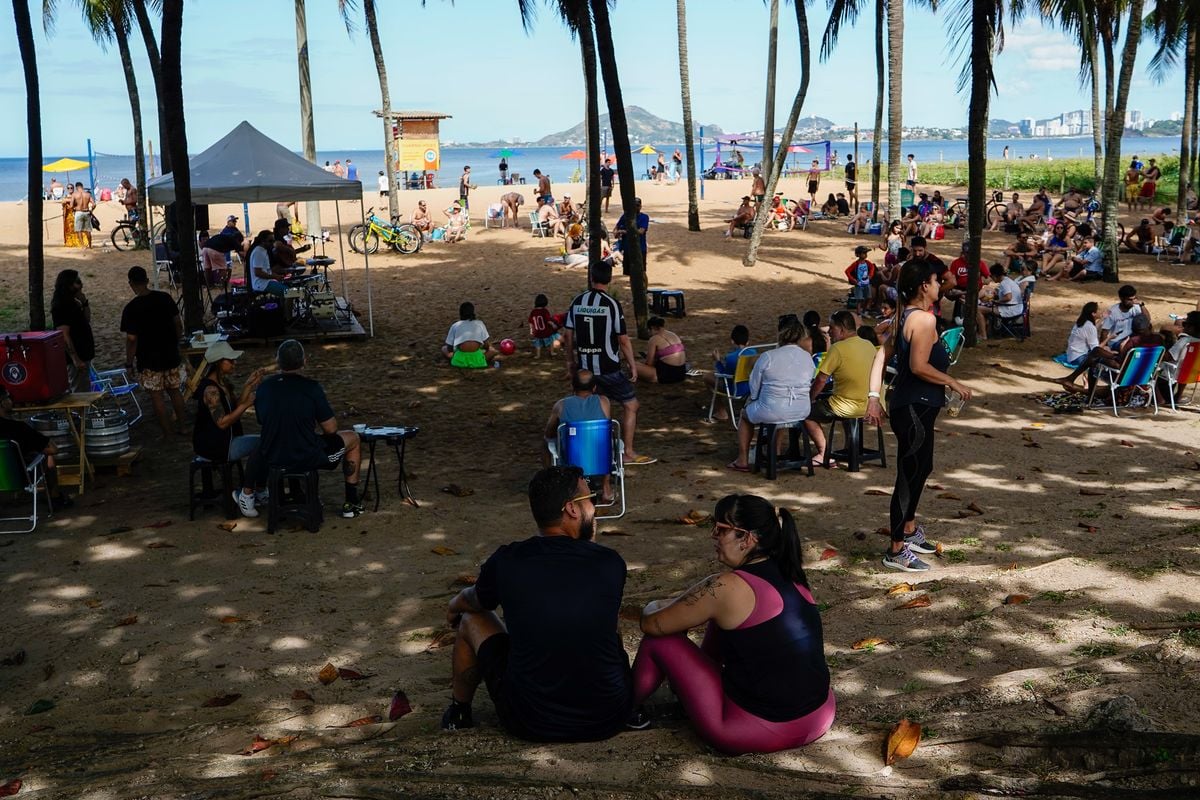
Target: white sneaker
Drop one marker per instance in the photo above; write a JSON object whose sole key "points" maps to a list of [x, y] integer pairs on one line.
{"points": [[245, 503]]}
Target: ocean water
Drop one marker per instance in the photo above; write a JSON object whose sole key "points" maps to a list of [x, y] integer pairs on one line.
{"points": [[109, 169]]}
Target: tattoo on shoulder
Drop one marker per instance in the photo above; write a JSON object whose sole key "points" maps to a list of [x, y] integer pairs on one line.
{"points": [[703, 589], [212, 399]]}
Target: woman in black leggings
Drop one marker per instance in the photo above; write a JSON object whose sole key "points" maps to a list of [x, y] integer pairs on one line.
{"points": [[917, 397]]}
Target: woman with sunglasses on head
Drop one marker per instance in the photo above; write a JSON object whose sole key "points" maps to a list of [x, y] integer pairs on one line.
{"points": [[759, 682]]}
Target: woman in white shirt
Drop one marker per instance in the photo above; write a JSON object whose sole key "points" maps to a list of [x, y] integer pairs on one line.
{"points": [[1084, 337], [467, 341]]}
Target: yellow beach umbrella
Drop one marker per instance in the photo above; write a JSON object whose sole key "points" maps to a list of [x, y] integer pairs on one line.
{"points": [[65, 165], [647, 151]]}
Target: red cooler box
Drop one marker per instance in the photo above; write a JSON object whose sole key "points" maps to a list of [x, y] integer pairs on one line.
{"points": [[33, 365]]}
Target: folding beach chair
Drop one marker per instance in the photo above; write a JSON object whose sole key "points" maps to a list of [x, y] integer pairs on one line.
{"points": [[539, 228], [726, 386], [953, 339], [20, 476], [1137, 373], [1173, 244], [1184, 372], [596, 447], [116, 382]]}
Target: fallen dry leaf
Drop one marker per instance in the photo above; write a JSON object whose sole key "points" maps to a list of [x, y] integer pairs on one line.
{"points": [[615, 533], [1092, 492], [161, 524], [1032, 444], [974, 507], [40, 728], [900, 588], [442, 550], [399, 707], [877, 493], [328, 674], [352, 674], [259, 744], [230, 619], [938, 549], [124, 621], [984, 434], [158, 545], [948, 496], [220, 701], [963, 513], [227, 526], [866, 644], [1127, 443], [936, 487], [694, 517], [9, 788], [902, 741], [374, 719], [1016, 599], [828, 553], [457, 491], [466, 579], [268, 774], [921, 601], [300, 694], [92, 602], [1088, 528]]}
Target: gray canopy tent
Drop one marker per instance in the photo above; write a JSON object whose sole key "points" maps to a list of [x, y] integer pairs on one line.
{"points": [[246, 166]]}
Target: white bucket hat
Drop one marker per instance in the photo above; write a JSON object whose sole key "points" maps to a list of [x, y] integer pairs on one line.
{"points": [[216, 352]]}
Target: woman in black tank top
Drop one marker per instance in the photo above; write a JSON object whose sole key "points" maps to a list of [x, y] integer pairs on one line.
{"points": [[918, 394]]}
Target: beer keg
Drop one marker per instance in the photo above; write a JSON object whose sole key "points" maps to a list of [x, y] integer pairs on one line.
{"points": [[54, 426], [106, 432]]}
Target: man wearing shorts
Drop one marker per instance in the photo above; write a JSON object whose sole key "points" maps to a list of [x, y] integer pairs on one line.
{"points": [[152, 327], [607, 173], [299, 429], [543, 187], [848, 364], [554, 666], [594, 339], [912, 172], [852, 182], [83, 204], [814, 181]]}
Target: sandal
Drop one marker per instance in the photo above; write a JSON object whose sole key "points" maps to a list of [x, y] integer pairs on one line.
{"points": [[642, 459], [736, 467]]}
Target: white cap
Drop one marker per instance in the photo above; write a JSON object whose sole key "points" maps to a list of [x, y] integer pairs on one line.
{"points": [[216, 352]]}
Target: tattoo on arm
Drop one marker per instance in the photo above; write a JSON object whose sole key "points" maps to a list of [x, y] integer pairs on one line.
{"points": [[703, 589], [212, 399]]}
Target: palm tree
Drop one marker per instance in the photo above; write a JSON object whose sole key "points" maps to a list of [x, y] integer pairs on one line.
{"points": [[634, 266], [689, 135], [389, 143], [312, 214], [785, 142], [1175, 26], [1078, 20], [769, 106], [171, 109], [33, 127], [108, 21], [845, 12], [141, 13], [895, 26]]}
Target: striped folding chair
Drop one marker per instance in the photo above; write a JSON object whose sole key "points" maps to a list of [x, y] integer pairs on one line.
{"points": [[1184, 372], [1137, 373]]}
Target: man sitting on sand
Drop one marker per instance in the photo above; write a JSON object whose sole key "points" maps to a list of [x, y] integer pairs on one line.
{"points": [[420, 218], [511, 203], [1088, 265], [1141, 238], [554, 667], [742, 217]]}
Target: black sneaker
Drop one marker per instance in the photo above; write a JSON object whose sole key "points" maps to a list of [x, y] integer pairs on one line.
{"points": [[351, 510], [639, 720], [457, 717]]}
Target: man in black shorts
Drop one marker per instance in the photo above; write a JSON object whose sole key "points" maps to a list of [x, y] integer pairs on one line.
{"points": [[299, 429], [554, 667], [594, 339], [607, 173], [852, 182]]}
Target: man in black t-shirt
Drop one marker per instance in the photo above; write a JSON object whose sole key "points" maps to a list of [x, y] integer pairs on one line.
{"points": [[299, 429], [152, 327], [554, 667], [606, 182], [594, 338], [852, 182]]}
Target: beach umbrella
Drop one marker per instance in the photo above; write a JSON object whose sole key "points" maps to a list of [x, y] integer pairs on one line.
{"points": [[65, 165], [648, 151], [798, 148], [576, 156]]}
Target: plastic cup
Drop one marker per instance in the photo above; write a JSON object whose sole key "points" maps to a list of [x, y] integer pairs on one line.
{"points": [[360, 429], [954, 402]]}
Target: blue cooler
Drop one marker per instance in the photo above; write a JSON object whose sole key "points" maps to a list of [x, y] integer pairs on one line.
{"points": [[875, 228], [587, 445]]}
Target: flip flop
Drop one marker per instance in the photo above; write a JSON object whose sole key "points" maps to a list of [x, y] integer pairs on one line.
{"points": [[642, 459], [736, 467]]}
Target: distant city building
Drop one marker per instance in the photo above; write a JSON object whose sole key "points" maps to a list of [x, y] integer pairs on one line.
{"points": [[1176, 116], [1026, 126], [1134, 120]]}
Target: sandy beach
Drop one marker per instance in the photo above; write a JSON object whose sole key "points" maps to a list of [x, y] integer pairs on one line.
{"points": [[131, 617]]}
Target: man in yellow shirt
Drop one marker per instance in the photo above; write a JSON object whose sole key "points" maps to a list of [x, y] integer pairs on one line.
{"points": [[848, 364]]}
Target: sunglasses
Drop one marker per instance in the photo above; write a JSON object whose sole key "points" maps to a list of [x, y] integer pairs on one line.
{"points": [[719, 529], [580, 499]]}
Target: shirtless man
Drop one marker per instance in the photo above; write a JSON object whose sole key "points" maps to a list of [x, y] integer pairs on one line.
{"points": [[1013, 213], [1035, 215], [420, 218], [130, 201], [814, 181], [543, 188], [56, 190], [568, 210], [82, 204], [759, 190], [742, 217], [1133, 180], [548, 218], [1141, 238], [512, 203]]}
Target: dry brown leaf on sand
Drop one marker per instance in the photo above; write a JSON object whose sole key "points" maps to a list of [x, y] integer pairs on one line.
{"points": [[259, 744], [877, 493], [328, 674], [220, 701], [458, 491], [230, 619], [300, 694], [1088, 528], [374, 719], [901, 742], [125, 621], [615, 532], [921, 601], [867, 644], [9, 788], [900, 588], [948, 496], [352, 674], [158, 545], [974, 507], [92, 602], [1092, 492], [227, 526], [442, 550], [1016, 599], [828, 553], [694, 517], [399, 706], [466, 579]]}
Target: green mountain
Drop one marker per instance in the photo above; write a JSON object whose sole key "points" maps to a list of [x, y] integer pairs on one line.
{"points": [[644, 128]]}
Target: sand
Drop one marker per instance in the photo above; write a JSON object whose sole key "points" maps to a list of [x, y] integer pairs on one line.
{"points": [[1092, 517]]}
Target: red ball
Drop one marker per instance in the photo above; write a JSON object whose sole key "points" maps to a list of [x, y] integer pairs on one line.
{"points": [[508, 347]]}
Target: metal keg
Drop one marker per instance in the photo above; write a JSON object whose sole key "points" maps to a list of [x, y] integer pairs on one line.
{"points": [[106, 432], [54, 426]]}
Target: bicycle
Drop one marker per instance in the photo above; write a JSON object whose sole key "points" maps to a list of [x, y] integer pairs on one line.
{"points": [[996, 209], [402, 237], [128, 235]]}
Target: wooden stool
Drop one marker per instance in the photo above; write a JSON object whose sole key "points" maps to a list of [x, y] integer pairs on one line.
{"points": [[666, 302], [854, 453], [797, 458], [307, 508], [207, 496]]}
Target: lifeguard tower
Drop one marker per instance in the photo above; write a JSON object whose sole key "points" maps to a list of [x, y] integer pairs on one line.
{"points": [[416, 148]]}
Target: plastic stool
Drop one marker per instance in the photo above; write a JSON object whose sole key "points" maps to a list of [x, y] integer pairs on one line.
{"points": [[307, 508], [764, 449], [854, 452], [667, 302], [207, 495]]}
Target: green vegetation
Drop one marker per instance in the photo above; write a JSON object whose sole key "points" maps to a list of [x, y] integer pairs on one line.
{"points": [[1096, 650], [1003, 547], [1027, 175], [1053, 596], [955, 556], [969, 541], [1190, 637]]}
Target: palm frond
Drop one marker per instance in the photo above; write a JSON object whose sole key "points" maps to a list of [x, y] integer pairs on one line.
{"points": [[49, 9], [841, 12]]}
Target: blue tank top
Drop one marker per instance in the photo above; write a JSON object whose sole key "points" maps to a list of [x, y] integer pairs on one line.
{"points": [[775, 668], [578, 409], [907, 388]]}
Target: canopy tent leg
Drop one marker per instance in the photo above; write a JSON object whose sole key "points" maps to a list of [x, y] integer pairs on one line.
{"points": [[337, 210], [367, 268]]}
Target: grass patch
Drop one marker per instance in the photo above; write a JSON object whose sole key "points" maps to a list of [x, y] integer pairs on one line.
{"points": [[1193, 528], [1003, 547], [1190, 637], [1147, 571], [969, 541], [910, 687], [1053, 596], [1081, 679], [937, 645], [1118, 630], [1096, 650], [955, 556], [1191, 616], [823, 607]]}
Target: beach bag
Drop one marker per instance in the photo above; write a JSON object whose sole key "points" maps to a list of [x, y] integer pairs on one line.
{"points": [[438, 234], [939, 232]]}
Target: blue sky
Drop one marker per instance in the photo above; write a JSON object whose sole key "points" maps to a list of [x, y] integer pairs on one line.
{"points": [[473, 60]]}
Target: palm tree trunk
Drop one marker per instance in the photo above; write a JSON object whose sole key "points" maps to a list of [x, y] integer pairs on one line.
{"points": [[389, 143], [1112, 136], [895, 16], [120, 31], [634, 265], [982, 37], [769, 106], [587, 51], [1194, 161], [33, 126], [689, 135], [789, 130], [1097, 117], [312, 214], [171, 99], [1189, 108], [152, 55], [877, 141]]}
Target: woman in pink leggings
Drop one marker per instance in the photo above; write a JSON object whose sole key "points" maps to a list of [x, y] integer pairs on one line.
{"points": [[759, 682]]}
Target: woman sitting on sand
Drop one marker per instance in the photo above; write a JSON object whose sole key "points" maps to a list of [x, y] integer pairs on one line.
{"points": [[830, 208], [759, 682], [467, 341], [910, 223], [779, 385], [666, 361], [1058, 251], [575, 248]]}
